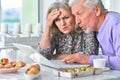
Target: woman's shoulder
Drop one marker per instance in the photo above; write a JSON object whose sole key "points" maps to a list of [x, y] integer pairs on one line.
{"points": [[57, 36], [54, 36]]}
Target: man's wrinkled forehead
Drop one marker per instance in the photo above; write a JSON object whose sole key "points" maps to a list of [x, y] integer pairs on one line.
{"points": [[72, 2], [78, 7], [74, 9]]}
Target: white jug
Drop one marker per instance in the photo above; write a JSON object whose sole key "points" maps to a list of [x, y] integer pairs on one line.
{"points": [[8, 53]]}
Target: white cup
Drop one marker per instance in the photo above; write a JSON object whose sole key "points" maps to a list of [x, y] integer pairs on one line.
{"points": [[99, 63], [8, 53]]}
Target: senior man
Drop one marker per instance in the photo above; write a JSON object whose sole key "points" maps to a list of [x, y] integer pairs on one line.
{"points": [[92, 16]]}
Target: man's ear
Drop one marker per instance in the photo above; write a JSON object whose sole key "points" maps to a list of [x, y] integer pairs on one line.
{"points": [[97, 10]]}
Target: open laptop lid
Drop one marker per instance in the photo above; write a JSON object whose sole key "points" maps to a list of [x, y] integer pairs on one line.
{"points": [[38, 58]]}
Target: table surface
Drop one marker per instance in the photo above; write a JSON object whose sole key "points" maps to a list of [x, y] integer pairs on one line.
{"points": [[46, 75]]}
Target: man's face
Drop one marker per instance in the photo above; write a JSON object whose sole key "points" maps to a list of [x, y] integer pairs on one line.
{"points": [[85, 17]]}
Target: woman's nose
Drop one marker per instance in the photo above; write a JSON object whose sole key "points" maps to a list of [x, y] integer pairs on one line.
{"points": [[62, 22]]}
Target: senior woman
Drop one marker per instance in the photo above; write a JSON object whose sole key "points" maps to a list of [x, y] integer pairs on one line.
{"points": [[61, 36]]}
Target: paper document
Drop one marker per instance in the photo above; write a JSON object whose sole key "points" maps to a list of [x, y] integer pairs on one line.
{"points": [[38, 58]]}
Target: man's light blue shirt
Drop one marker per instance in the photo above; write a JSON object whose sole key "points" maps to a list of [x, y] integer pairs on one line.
{"points": [[109, 39]]}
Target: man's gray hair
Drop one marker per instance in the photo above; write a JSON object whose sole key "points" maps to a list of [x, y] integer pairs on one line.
{"points": [[89, 3]]}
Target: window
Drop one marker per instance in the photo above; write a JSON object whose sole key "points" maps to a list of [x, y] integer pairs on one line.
{"points": [[11, 12], [19, 11]]}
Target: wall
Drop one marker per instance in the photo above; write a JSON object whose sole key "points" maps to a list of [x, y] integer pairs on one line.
{"points": [[112, 5], [115, 5]]}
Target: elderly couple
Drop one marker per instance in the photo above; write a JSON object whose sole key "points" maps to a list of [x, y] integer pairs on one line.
{"points": [[75, 32]]}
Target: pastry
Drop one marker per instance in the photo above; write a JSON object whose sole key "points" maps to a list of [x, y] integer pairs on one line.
{"points": [[33, 69], [4, 61], [13, 63], [35, 65], [20, 64], [8, 65], [1, 66]]}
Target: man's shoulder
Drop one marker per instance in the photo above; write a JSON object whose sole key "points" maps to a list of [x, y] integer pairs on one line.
{"points": [[114, 15]]}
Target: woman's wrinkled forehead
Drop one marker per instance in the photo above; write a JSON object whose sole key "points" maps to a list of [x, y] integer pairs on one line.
{"points": [[58, 5], [65, 10]]}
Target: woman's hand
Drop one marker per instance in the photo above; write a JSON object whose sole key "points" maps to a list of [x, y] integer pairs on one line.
{"points": [[51, 17], [77, 57]]}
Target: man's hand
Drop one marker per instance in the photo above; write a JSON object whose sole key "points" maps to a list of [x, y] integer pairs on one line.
{"points": [[78, 58], [60, 56]]}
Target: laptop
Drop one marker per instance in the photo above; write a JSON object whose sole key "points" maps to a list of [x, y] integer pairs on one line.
{"points": [[38, 58]]}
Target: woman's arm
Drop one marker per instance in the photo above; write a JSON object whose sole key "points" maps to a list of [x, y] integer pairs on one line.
{"points": [[45, 40], [46, 46]]}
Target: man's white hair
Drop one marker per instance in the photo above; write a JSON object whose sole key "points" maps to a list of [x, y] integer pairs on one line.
{"points": [[89, 3]]}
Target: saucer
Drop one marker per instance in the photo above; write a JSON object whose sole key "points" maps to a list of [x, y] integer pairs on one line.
{"points": [[106, 68]]}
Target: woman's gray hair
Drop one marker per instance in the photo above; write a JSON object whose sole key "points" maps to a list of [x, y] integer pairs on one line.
{"points": [[57, 5], [91, 4]]}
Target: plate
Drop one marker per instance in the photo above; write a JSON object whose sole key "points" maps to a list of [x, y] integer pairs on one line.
{"points": [[8, 70]]}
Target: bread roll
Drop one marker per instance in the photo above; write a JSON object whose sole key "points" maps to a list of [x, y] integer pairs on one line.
{"points": [[8, 65], [4, 61], [20, 64], [1, 66], [33, 69]]}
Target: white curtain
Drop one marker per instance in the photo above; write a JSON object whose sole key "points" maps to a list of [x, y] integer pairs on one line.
{"points": [[115, 5]]}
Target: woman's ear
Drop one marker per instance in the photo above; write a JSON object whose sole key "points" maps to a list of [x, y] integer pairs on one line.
{"points": [[97, 10]]}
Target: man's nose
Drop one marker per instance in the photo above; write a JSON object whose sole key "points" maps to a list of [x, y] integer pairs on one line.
{"points": [[77, 20]]}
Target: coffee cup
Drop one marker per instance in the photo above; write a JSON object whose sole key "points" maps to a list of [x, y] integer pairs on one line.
{"points": [[99, 63]]}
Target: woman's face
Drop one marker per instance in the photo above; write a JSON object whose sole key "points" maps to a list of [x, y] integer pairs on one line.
{"points": [[65, 21]]}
